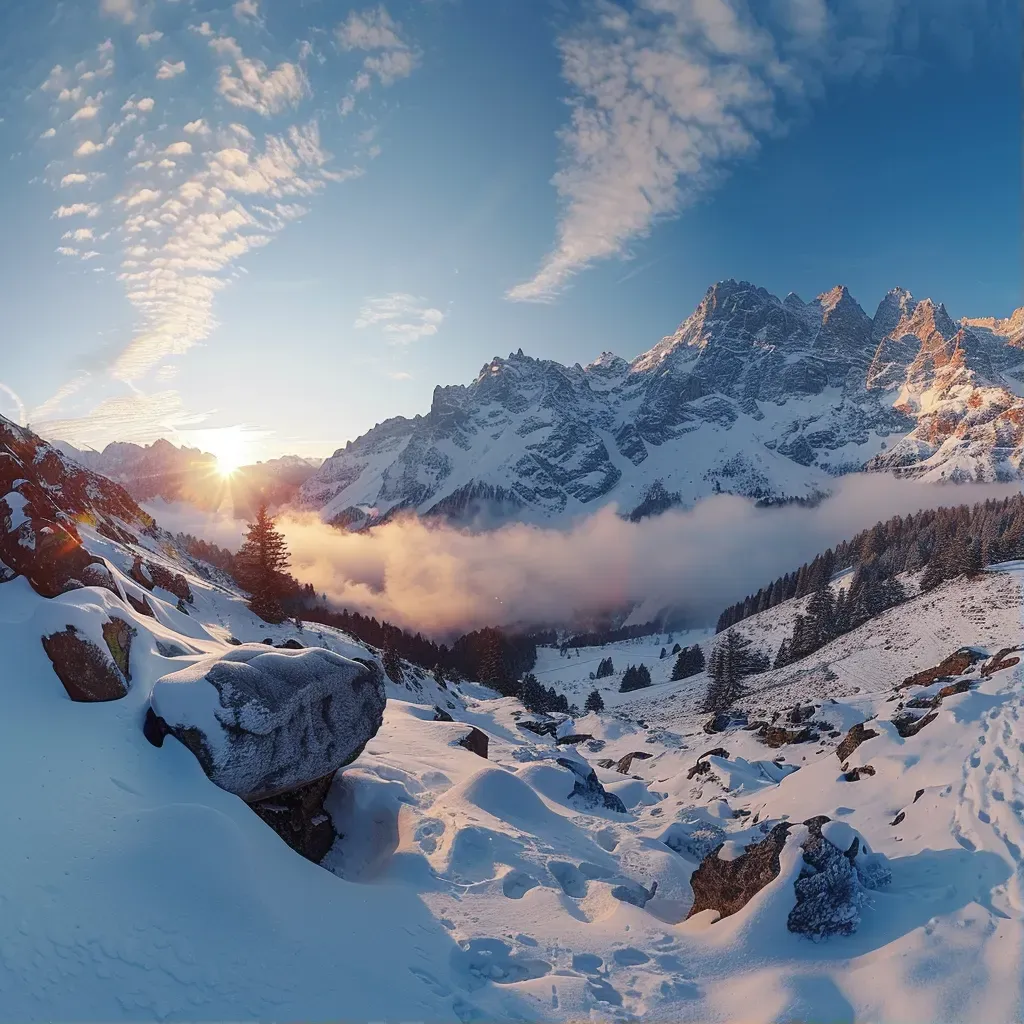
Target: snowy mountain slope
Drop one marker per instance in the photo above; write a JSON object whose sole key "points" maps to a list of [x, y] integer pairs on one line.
{"points": [[520, 886], [753, 394]]}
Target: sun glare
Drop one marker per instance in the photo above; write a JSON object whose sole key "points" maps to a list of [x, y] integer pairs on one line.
{"points": [[230, 449]]}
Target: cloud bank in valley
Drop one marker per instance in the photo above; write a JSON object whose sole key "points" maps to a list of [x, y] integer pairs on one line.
{"points": [[443, 581]]}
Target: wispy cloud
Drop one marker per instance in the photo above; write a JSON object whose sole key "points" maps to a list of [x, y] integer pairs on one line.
{"points": [[665, 95], [389, 56], [141, 417], [165, 69], [400, 317], [121, 9], [175, 206]]}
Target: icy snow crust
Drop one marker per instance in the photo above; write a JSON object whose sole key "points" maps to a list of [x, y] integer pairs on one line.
{"points": [[465, 889]]}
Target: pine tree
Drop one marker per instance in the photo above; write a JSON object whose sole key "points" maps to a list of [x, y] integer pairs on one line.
{"points": [[731, 660], [636, 677], [689, 662], [392, 663], [595, 702], [261, 567]]}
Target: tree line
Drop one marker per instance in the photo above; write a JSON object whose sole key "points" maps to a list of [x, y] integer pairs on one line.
{"points": [[944, 542]]}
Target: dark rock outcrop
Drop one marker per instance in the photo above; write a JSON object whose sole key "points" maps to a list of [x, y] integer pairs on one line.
{"points": [[853, 739], [87, 671], [587, 789], [476, 742], [728, 885], [300, 819], [440, 715], [702, 766], [626, 761], [955, 665], [908, 725]]}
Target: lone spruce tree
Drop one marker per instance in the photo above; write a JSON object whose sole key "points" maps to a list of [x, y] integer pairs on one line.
{"points": [[261, 567], [595, 702]]}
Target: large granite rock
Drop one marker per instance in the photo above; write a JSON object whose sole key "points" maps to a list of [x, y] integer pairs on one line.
{"points": [[264, 721]]}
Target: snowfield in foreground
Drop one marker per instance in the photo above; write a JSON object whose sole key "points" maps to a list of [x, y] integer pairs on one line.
{"points": [[552, 879]]}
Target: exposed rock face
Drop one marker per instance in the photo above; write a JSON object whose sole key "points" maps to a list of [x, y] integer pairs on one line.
{"points": [[728, 885], [626, 761], [956, 664], [701, 766], [87, 671], [907, 389], [587, 789], [853, 739], [41, 495], [476, 742], [830, 890], [263, 722], [300, 819]]}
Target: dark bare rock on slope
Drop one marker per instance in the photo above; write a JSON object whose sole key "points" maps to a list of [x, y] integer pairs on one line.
{"points": [[300, 819], [853, 739], [262, 722], [89, 673]]}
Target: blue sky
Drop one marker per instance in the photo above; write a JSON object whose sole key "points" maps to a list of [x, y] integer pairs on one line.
{"points": [[285, 221]]}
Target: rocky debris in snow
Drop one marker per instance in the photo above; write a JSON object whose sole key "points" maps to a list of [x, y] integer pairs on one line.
{"points": [[587, 789], [853, 739], [837, 870], [440, 715], [778, 736], [87, 672], [539, 728], [800, 714], [899, 817], [856, 774], [265, 722], [933, 701], [41, 543], [634, 893], [701, 766], [625, 762], [959, 662], [728, 885], [300, 819], [725, 720], [234, 641], [476, 742], [1000, 661], [140, 573], [908, 725], [573, 738], [291, 644]]}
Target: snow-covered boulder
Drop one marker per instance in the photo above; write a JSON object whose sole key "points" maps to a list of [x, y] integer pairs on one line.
{"points": [[264, 721]]}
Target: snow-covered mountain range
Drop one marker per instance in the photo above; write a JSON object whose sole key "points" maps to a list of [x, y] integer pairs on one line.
{"points": [[173, 473], [755, 395]]}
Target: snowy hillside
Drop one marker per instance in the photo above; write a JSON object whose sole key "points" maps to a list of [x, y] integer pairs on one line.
{"points": [[754, 395], [847, 847]]}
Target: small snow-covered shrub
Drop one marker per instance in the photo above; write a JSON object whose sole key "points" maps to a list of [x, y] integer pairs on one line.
{"points": [[828, 899]]}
